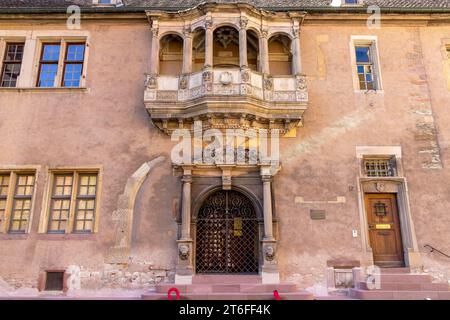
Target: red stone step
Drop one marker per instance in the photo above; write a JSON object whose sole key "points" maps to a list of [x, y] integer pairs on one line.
{"points": [[395, 286], [299, 295], [229, 279], [398, 295], [227, 288], [282, 287], [395, 270], [405, 278]]}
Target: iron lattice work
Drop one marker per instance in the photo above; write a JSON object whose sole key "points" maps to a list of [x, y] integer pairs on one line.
{"points": [[227, 234]]}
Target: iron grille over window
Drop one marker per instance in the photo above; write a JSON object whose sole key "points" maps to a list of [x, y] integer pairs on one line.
{"points": [[380, 167]]}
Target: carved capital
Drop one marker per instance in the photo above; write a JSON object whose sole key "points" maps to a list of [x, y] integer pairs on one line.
{"points": [[208, 24], [264, 32], [296, 32], [154, 31], [186, 179], [243, 22], [266, 178], [187, 31]]}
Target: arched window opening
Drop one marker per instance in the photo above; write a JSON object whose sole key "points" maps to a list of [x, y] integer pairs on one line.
{"points": [[171, 55], [226, 47], [198, 50], [280, 55], [253, 51]]}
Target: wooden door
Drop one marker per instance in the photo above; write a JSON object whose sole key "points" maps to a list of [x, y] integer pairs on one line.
{"points": [[384, 229]]}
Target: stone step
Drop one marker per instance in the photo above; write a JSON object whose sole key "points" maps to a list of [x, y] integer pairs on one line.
{"points": [[298, 295], [229, 279], [227, 288], [398, 295], [395, 286], [405, 278], [395, 270]]}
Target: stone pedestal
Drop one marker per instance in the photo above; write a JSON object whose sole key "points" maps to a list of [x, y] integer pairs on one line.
{"points": [[270, 273], [185, 270]]}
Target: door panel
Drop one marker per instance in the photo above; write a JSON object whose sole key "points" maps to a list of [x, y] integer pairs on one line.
{"points": [[384, 229]]}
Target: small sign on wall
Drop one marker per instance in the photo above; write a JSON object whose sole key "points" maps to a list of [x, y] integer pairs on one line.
{"points": [[317, 214]]}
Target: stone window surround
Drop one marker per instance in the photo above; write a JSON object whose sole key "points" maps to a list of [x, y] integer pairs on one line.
{"points": [[14, 170], [373, 42], [397, 185], [27, 79], [45, 211]]}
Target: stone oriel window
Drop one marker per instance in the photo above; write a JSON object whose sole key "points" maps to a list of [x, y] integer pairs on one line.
{"points": [[12, 63], [16, 198], [73, 202], [61, 63]]}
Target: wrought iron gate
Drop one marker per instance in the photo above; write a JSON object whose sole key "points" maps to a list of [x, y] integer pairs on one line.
{"points": [[227, 234]]}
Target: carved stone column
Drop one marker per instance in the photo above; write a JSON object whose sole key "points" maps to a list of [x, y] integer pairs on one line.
{"points": [[208, 44], [270, 273], [186, 208], [264, 51], [296, 56], [243, 43], [187, 51], [185, 260], [267, 192], [154, 53]]}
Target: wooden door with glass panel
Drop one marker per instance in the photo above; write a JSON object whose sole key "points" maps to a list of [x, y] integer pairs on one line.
{"points": [[384, 229]]}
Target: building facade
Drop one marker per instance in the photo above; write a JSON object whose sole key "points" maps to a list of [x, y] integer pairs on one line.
{"points": [[148, 142]]}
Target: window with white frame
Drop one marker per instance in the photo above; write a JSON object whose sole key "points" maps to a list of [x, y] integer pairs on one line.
{"points": [[366, 67], [12, 63], [61, 64], [16, 197], [72, 206]]}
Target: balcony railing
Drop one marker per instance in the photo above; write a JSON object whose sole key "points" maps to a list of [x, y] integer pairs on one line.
{"points": [[226, 82]]}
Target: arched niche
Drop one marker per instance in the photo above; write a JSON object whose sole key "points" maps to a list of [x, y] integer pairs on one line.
{"points": [[253, 50], [198, 50], [171, 55], [280, 54], [226, 47]]}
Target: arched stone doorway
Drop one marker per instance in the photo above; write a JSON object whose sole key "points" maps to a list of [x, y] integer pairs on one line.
{"points": [[227, 238]]}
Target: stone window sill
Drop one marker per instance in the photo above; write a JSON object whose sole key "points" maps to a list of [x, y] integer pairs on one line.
{"points": [[369, 91], [14, 236], [66, 236], [36, 89]]}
